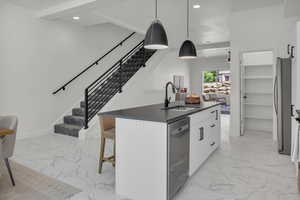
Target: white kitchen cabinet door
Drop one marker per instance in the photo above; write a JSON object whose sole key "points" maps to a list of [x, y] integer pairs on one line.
{"points": [[199, 142]]}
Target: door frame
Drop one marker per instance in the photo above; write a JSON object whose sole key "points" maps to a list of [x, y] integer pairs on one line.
{"points": [[241, 53]]}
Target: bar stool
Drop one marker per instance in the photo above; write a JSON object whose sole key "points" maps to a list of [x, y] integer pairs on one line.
{"points": [[107, 128]]}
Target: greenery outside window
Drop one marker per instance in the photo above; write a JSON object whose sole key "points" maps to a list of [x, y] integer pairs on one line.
{"points": [[210, 77]]}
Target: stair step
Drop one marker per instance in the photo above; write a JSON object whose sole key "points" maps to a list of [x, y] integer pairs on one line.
{"points": [[78, 112], [74, 120], [67, 129]]}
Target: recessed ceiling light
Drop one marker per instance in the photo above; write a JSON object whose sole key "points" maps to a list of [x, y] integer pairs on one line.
{"points": [[76, 18], [196, 6]]}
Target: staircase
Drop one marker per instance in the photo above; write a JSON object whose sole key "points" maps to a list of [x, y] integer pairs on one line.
{"points": [[102, 90]]}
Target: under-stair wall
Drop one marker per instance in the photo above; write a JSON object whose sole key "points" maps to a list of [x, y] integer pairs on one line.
{"points": [[40, 55]]}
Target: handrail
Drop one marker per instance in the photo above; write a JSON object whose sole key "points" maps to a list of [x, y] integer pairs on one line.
{"points": [[93, 64]]}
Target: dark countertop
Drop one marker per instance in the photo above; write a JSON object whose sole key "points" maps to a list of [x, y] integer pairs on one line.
{"points": [[156, 114]]}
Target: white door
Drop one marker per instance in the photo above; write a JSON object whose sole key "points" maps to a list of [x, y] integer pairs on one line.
{"points": [[257, 72]]}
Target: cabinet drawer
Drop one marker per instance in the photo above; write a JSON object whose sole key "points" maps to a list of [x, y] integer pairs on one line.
{"points": [[204, 115]]}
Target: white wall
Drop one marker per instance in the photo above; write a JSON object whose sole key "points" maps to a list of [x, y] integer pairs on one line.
{"points": [[254, 30], [204, 64], [37, 56]]}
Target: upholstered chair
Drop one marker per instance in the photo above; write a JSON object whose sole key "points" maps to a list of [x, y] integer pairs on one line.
{"points": [[7, 143]]}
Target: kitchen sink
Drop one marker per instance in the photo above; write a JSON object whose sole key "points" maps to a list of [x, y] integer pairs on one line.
{"points": [[179, 108], [183, 109]]}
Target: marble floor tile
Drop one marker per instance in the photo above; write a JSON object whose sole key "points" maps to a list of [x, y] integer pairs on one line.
{"points": [[243, 168]]}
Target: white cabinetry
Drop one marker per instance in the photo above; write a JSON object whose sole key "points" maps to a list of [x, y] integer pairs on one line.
{"points": [[142, 153], [204, 136]]}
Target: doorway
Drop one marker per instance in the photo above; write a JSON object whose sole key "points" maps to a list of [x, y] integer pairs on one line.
{"points": [[216, 85], [257, 76]]}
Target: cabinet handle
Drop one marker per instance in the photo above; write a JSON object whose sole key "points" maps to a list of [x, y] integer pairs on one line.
{"points": [[201, 131], [212, 144], [217, 115], [212, 112], [213, 125]]}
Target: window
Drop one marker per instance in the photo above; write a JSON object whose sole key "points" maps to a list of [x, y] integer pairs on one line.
{"points": [[216, 82], [210, 77]]}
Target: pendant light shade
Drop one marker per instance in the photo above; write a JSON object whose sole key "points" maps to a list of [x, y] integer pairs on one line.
{"points": [[156, 36], [187, 49]]}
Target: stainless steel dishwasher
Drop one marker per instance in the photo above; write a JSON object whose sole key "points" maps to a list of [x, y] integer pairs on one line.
{"points": [[178, 155]]}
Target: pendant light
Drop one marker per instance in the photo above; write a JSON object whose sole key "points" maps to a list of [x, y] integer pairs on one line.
{"points": [[187, 49], [156, 37]]}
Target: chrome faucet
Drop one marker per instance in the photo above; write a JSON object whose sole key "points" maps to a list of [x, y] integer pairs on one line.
{"points": [[167, 99]]}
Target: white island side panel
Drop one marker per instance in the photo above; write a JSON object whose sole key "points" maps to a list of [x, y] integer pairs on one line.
{"points": [[141, 159]]}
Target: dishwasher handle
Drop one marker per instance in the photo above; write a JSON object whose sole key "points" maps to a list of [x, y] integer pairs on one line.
{"points": [[178, 132]]}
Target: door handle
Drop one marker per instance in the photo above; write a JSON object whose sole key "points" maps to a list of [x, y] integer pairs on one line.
{"points": [[275, 95], [178, 134], [292, 110]]}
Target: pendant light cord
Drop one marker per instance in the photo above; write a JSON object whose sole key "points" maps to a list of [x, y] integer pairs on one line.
{"points": [[155, 9], [187, 20]]}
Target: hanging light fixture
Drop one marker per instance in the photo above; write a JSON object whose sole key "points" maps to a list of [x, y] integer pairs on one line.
{"points": [[187, 49], [156, 37]]}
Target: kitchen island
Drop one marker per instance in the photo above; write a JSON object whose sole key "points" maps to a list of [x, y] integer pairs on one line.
{"points": [[157, 149]]}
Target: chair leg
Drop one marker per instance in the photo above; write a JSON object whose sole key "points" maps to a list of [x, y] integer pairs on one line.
{"points": [[9, 171], [102, 149]]}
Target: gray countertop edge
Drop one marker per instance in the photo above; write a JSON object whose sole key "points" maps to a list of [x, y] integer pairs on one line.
{"points": [[135, 112]]}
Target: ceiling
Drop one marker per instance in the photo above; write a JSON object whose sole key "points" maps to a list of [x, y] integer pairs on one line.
{"points": [[208, 24], [37, 4]]}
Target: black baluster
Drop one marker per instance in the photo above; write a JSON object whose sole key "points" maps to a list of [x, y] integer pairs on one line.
{"points": [[86, 116], [120, 78]]}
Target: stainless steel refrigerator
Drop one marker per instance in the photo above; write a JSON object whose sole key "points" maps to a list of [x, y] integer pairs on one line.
{"points": [[283, 104]]}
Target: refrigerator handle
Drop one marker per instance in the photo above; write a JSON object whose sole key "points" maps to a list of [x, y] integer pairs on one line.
{"points": [[292, 110], [275, 96]]}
